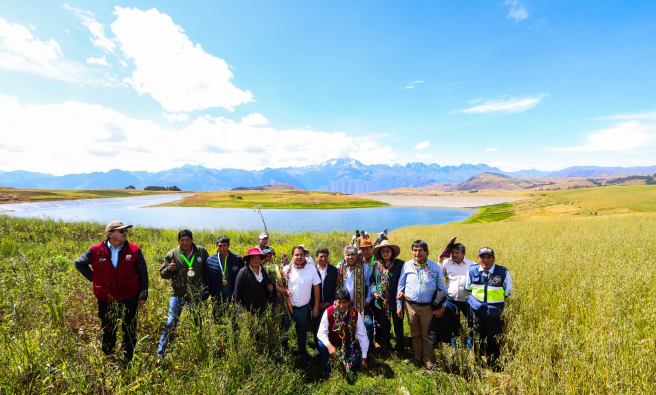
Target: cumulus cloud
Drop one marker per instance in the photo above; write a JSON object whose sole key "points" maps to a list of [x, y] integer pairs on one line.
{"points": [[20, 50], [500, 105], [422, 145], [517, 10], [491, 150], [623, 137], [100, 61], [123, 63], [169, 67], [96, 29], [176, 117], [95, 133]]}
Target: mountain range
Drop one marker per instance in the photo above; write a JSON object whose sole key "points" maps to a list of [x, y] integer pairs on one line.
{"points": [[340, 175]]}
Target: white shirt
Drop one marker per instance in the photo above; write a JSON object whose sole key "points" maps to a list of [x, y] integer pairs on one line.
{"points": [[507, 282], [300, 283], [259, 277], [310, 261], [456, 278], [361, 334]]}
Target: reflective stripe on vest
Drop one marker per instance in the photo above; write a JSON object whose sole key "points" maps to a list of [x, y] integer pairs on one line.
{"points": [[493, 294]]}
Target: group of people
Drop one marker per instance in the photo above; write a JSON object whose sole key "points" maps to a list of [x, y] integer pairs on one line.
{"points": [[350, 307]]}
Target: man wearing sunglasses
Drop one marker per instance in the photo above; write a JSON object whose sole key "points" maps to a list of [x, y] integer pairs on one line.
{"points": [[119, 275]]}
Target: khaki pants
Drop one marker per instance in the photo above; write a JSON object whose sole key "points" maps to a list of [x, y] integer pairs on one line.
{"points": [[419, 319]]}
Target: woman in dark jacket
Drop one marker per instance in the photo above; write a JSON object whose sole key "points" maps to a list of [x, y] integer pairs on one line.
{"points": [[253, 287], [384, 282]]}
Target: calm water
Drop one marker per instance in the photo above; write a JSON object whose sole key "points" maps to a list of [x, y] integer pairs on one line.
{"points": [[372, 219]]}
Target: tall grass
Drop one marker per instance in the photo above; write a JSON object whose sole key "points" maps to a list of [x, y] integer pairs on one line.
{"points": [[581, 319]]}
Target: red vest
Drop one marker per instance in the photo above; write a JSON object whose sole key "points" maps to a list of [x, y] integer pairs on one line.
{"points": [[114, 284], [333, 335]]}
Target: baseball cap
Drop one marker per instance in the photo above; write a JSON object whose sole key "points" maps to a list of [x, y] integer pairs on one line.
{"points": [[263, 235], [304, 248], [116, 225], [485, 250]]}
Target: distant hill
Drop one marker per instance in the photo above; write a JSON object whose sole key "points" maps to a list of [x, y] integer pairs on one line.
{"points": [[270, 187], [340, 175], [491, 181]]}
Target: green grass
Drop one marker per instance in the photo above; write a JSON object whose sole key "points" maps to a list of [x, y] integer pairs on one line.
{"points": [[637, 198], [580, 321], [493, 213], [14, 195], [276, 200]]}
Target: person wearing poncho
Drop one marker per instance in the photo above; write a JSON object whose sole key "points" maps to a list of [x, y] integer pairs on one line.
{"points": [[189, 283], [342, 327], [353, 275]]}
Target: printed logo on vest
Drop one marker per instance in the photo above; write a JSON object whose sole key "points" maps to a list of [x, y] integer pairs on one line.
{"points": [[235, 268], [496, 279], [128, 257], [199, 259], [102, 260]]}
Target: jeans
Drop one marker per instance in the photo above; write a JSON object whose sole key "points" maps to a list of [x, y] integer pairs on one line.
{"points": [[175, 309], [460, 307], [110, 314], [301, 316], [368, 319], [349, 352]]}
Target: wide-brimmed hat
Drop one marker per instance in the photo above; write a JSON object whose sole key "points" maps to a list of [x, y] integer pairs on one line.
{"points": [[366, 243], [116, 225], [254, 252], [396, 250]]}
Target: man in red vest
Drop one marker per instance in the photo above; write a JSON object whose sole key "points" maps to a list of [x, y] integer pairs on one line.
{"points": [[342, 326], [119, 275]]}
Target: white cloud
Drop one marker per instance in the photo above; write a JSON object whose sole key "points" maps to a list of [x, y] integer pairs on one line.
{"points": [[100, 61], [491, 150], [181, 76], [412, 84], [409, 87], [95, 28], [123, 63], [423, 156], [500, 105], [422, 145], [648, 115], [20, 50], [95, 133], [176, 117], [517, 10], [623, 137]]}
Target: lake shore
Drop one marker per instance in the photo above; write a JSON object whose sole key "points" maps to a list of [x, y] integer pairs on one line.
{"points": [[441, 201]]}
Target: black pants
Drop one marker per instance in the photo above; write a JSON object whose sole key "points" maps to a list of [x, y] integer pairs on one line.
{"points": [[384, 328], [110, 315], [316, 322], [488, 327]]}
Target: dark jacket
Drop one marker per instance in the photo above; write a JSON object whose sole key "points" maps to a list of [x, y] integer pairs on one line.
{"points": [[115, 276], [214, 273], [250, 293], [441, 328], [377, 276], [328, 286], [181, 283]]}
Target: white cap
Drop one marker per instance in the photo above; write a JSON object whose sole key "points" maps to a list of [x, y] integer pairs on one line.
{"points": [[263, 235]]}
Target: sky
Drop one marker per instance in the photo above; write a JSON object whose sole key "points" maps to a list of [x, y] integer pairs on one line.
{"points": [[142, 85]]}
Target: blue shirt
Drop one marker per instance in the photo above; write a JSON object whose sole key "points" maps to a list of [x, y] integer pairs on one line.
{"points": [[115, 252], [420, 290], [507, 283]]}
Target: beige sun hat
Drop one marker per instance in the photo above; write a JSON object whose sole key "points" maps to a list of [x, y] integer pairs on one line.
{"points": [[396, 250]]}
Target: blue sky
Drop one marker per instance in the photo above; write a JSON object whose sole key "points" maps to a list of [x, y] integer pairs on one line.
{"points": [[150, 85]]}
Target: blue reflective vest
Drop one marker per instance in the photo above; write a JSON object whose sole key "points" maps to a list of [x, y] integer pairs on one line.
{"points": [[487, 297]]}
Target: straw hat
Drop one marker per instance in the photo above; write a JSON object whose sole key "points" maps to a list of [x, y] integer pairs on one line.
{"points": [[395, 249]]}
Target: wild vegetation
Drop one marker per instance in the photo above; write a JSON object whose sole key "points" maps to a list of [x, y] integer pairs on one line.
{"points": [[15, 195], [275, 199], [579, 321]]}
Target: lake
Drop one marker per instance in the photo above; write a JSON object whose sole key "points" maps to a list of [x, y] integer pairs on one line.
{"points": [[134, 212]]}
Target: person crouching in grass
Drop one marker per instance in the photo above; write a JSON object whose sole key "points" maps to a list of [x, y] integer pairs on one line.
{"points": [[342, 326], [184, 266]]}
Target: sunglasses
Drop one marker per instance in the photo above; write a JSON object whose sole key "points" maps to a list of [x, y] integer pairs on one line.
{"points": [[121, 231]]}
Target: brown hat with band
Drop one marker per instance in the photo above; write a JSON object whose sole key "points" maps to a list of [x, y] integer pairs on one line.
{"points": [[366, 243], [396, 250], [116, 225]]}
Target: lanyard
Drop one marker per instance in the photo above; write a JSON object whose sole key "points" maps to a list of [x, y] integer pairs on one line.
{"points": [[186, 260], [223, 264]]}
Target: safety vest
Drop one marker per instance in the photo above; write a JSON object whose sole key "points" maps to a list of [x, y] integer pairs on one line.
{"points": [[487, 295], [113, 284]]}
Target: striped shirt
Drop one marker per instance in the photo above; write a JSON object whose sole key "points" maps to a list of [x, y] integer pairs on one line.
{"points": [[420, 290]]}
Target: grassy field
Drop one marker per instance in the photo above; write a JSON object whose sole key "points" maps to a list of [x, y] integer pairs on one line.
{"points": [[13, 195], [580, 320], [276, 200], [573, 203]]}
